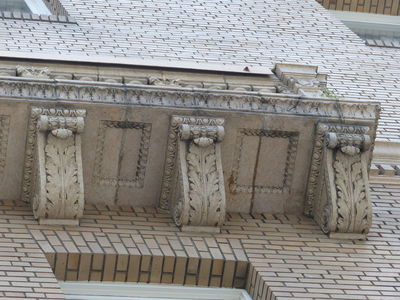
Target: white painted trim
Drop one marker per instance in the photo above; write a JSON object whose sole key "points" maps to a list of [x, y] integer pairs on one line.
{"points": [[139, 291], [37, 7]]}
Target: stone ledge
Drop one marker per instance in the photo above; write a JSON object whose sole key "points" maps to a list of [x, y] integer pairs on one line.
{"points": [[177, 96]]}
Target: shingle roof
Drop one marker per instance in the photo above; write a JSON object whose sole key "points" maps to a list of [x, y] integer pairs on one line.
{"points": [[255, 32]]}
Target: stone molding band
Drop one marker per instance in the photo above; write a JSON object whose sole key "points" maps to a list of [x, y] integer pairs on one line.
{"points": [[167, 96]]}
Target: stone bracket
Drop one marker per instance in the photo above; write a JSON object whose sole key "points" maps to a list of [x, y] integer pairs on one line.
{"points": [[338, 190], [193, 185], [53, 165]]}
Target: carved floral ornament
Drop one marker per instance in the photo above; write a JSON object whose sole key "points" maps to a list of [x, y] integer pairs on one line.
{"points": [[176, 96], [33, 72], [53, 165], [338, 189], [193, 142], [193, 185]]}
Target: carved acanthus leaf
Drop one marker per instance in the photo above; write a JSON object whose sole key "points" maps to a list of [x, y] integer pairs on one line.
{"points": [[205, 197], [55, 176], [198, 198], [353, 205], [62, 178], [186, 128], [338, 183], [347, 135]]}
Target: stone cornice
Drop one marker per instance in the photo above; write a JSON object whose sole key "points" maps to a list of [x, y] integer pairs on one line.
{"points": [[181, 97], [385, 166], [388, 152]]}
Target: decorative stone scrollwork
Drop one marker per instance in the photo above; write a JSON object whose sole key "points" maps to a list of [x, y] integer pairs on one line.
{"points": [[163, 81], [156, 96], [32, 72], [193, 185], [56, 174], [338, 190]]}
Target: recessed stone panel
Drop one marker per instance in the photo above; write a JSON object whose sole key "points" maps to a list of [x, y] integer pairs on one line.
{"points": [[271, 163], [247, 160], [264, 161], [121, 154]]}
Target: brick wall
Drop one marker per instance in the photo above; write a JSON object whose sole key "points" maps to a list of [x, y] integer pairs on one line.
{"points": [[273, 256]]}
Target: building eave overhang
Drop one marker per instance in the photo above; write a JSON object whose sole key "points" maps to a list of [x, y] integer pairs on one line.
{"points": [[73, 91], [136, 62]]}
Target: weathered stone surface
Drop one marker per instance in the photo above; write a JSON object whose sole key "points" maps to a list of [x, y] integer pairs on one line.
{"points": [[193, 181], [265, 153], [304, 80], [338, 189], [53, 165]]}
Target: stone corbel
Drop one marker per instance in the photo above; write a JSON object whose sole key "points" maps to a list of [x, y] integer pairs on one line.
{"points": [[57, 179], [338, 190], [193, 185]]}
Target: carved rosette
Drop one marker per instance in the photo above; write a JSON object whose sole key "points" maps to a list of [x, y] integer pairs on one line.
{"points": [[193, 173], [56, 175], [338, 189]]}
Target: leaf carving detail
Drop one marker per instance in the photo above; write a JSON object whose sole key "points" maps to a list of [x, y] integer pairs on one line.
{"points": [[352, 202], [62, 187], [205, 196]]}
